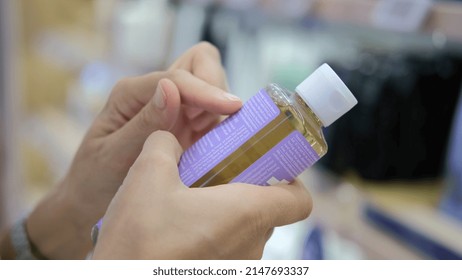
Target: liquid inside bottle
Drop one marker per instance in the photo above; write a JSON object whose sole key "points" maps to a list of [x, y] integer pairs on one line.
{"points": [[294, 115], [299, 116]]}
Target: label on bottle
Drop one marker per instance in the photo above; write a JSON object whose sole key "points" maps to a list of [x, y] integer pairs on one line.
{"points": [[282, 163]]}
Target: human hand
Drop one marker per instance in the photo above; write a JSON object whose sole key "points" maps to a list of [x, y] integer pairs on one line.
{"points": [[187, 99], [155, 216]]}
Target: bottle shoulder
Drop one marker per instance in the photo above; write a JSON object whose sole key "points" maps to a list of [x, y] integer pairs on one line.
{"points": [[300, 115]]}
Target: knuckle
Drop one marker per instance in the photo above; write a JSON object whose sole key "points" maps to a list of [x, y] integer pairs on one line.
{"points": [[145, 120], [161, 144], [117, 94], [158, 137], [121, 85], [161, 157], [154, 157], [208, 48], [177, 74], [167, 136], [119, 89]]}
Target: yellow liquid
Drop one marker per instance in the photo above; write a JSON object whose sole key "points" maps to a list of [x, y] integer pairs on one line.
{"points": [[294, 115]]}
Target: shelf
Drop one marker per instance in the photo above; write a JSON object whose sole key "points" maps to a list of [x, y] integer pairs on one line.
{"points": [[389, 220], [444, 17]]}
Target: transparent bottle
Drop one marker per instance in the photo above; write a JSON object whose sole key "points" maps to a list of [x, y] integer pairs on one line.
{"points": [[274, 137]]}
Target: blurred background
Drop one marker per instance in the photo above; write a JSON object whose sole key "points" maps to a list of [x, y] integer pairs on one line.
{"points": [[390, 186]]}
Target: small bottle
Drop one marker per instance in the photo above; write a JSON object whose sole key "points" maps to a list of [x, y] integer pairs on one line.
{"points": [[274, 137]]}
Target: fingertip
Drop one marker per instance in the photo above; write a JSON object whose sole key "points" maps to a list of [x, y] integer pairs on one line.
{"points": [[201, 94], [162, 142], [157, 164], [233, 104], [167, 84], [170, 89], [232, 97], [291, 203], [172, 99], [305, 201]]}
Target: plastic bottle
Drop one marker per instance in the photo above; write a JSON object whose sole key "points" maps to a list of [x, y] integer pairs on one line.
{"points": [[275, 136]]}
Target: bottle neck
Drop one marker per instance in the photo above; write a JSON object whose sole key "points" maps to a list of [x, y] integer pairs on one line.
{"points": [[306, 110]]}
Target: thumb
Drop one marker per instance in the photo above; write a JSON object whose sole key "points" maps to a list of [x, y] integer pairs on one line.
{"points": [[160, 113], [157, 164], [289, 203]]}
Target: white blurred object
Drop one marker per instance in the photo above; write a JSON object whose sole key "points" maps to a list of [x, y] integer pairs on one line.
{"points": [[286, 243], [87, 95], [401, 15], [188, 28], [141, 33], [56, 135], [240, 5], [68, 50], [288, 8]]}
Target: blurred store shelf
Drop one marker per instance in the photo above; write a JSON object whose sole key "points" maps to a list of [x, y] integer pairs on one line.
{"points": [[444, 16], [394, 220], [51, 139]]}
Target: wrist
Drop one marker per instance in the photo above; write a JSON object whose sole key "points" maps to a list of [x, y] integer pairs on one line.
{"points": [[58, 229]]}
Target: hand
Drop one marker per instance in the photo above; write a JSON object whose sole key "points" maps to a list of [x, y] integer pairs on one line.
{"points": [[187, 99], [155, 216]]}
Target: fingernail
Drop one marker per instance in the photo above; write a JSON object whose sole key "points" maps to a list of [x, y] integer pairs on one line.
{"points": [[232, 97], [159, 97]]}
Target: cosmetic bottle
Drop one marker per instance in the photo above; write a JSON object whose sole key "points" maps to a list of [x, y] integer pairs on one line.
{"points": [[274, 137]]}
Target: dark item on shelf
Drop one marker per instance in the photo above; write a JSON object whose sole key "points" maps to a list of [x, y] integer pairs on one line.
{"points": [[400, 127]]}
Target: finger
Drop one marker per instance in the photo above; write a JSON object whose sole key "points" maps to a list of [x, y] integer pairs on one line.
{"points": [[130, 95], [200, 94], [200, 133], [158, 160], [160, 113], [204, 61], [188, 136], [204, 121], [288, 204], [192, 112], [206, 65]]}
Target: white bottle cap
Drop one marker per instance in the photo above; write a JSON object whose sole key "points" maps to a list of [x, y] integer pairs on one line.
{"points": [[326, 95]]}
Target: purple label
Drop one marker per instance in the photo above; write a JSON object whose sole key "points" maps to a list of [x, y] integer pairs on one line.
{"points": [[282, 163], [228, 136]]}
